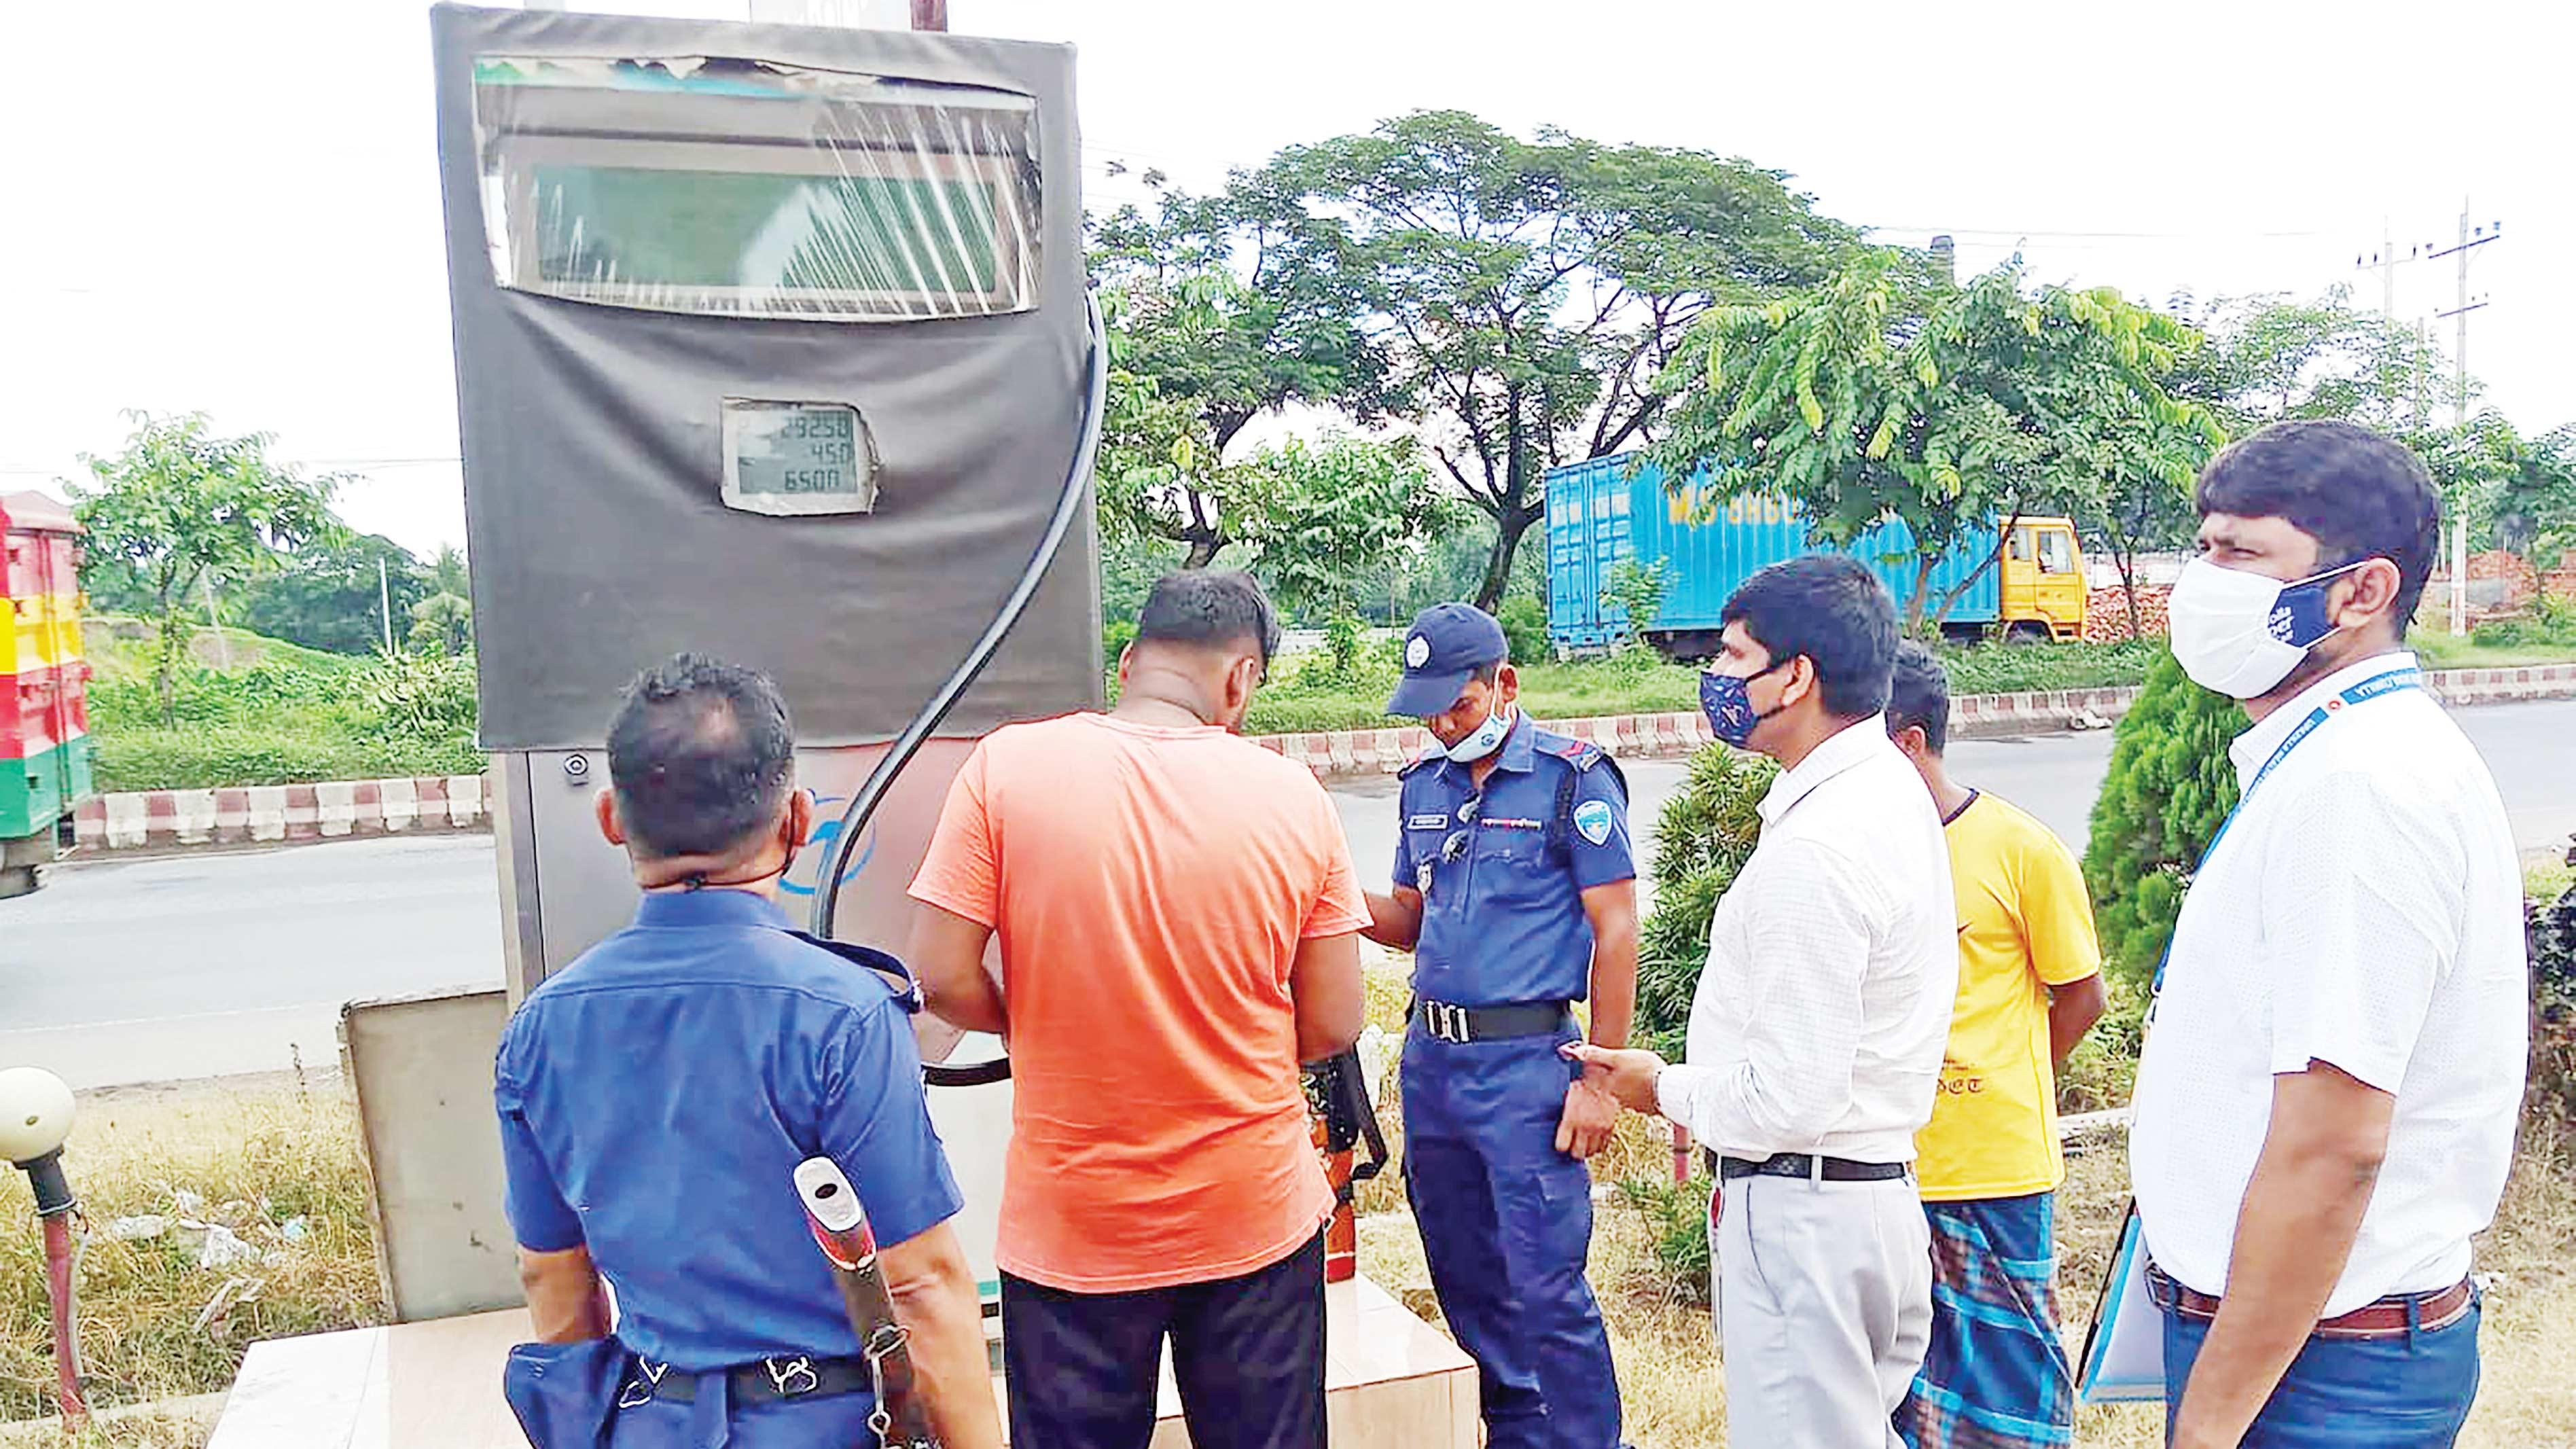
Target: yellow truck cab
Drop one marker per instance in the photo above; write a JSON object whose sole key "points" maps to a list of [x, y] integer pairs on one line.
{"points": [[2044, 587]]}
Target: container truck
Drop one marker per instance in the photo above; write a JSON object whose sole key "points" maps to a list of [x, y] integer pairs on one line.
{"points": [[1609, 510], [44, 703]]}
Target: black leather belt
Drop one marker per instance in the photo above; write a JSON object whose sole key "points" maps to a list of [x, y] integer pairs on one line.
{"points": [[1462, 1024], [1799, 1164], [796, 1376]]}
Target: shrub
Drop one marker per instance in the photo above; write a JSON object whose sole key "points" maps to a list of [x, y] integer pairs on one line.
{"points": [[1115, 636], [1524, 621], [2550, 928], [2169, 788], [419, 696], [1707, 831], [1639, 593], [1676, 1217]]}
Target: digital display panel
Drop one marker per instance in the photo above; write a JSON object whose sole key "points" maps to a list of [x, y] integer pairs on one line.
{"points": [[798, 458]]}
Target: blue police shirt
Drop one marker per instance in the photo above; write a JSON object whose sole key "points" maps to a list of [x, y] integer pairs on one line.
{"points": [[1502, 919], [655, 1098]]}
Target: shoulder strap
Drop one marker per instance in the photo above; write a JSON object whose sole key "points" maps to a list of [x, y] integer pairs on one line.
{"points": [[893, 974], [1560, 821]]}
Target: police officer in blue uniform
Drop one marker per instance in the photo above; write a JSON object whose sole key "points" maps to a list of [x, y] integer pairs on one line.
{"points": [[1516, 891], [657, 1095]]}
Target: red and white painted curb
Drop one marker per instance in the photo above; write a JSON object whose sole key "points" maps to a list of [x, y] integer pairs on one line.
{"points": [[281, 814], [288, 814]]}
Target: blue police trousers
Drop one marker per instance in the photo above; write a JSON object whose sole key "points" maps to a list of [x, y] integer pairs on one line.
{"points": [[1506, 1222]]}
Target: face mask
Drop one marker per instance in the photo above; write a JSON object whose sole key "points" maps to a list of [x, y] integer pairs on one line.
{"points": [[1487, 738], [1727, 700], [2241, 633]]}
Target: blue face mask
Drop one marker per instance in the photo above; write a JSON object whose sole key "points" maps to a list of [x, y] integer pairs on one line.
{"points": [[1728, 702], [1487, 738]]}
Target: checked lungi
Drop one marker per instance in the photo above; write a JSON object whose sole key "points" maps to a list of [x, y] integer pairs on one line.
{"points": [[1997, 1375]]}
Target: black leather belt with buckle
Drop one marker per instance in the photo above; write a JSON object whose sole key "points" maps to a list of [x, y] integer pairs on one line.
{"points": [[1799, 1164], [1459, 1025], [795, 1376]]}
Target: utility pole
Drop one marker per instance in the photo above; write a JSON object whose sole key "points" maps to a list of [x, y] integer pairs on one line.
{"points": [[2468, 242], [385, 603]]}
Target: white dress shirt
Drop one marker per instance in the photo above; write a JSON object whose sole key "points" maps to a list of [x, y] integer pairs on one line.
{"points": [[1833, 960], [2363, 909]]}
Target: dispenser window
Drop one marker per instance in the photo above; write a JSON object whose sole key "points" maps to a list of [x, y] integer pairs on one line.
{"points": [[733, 187]]}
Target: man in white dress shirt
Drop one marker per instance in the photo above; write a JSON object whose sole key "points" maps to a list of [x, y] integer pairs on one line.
{"points": [[2326, 1107], [1816, 1036]]}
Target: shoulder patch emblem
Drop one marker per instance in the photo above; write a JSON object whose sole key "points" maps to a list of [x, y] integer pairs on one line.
{"points": [[1592, 821]]}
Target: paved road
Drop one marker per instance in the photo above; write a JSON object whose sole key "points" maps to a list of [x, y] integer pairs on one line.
{"points": [[204, 964]]}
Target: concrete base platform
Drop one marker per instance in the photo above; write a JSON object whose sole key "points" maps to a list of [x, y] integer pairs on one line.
{"points": [[1392, 1382]]}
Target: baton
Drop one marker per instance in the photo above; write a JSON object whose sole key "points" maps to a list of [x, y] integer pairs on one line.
{"points": [[899, 1419]]}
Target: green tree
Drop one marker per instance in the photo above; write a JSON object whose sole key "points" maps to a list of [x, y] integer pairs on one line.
{"points": [[2272, 358], [2169, 788], [1885, 395], [1703, 838], [442, 623], [1640, 593], [327, 594], [1320, 520], [1284, 326], [180, 506], [1526, 294]]}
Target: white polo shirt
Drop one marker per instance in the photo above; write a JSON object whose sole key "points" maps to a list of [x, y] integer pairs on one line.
{"points": [[1833, 960], [2363, 909]]}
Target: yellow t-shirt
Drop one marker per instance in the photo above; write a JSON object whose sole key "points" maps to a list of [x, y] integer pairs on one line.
{"points": [[2025, 925]]}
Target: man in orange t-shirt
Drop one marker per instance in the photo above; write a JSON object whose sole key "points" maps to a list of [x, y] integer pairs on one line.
{"points": [[1179, 930]]}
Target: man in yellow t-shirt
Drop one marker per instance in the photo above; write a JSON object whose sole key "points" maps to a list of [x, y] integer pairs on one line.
{"points": [[2030, 985]]}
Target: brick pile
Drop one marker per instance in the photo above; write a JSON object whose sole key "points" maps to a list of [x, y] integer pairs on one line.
{"points": [[2106, 613]]}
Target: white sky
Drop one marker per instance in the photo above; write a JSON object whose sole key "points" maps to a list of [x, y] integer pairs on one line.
{"points": [[234, 207]]}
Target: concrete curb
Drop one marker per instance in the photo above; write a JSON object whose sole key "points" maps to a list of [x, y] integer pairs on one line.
{"points": [[161, 820]]}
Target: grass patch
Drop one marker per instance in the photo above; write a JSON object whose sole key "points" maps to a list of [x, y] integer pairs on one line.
{"points": [[283, 715], [2442, 650], [1309, 695], [155, 1324]]}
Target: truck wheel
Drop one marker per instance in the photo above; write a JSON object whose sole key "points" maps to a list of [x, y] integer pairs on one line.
{"points": [[2026, 631], [18, 881]]}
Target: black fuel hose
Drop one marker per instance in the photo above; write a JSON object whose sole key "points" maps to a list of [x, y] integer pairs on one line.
{"points": [[863, 805]]}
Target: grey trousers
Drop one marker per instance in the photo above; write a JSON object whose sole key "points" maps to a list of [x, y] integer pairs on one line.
{"points": [[1824, 1309]]}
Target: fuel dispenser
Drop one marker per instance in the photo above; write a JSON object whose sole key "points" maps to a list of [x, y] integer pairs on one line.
{"points": [[772, 343]]}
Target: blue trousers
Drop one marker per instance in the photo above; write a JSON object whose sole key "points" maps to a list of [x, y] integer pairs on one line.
{"points": [[1506, 1223], [2409, 1392]]}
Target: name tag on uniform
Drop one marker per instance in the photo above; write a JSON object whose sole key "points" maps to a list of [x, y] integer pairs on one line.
{"points": [[1426, 822]]}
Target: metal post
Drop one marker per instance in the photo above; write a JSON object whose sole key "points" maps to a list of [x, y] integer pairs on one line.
{"points": [[385, 603], [2460, 408]]}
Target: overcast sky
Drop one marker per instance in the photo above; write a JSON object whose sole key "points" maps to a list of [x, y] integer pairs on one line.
{"points": [[234, 207]]}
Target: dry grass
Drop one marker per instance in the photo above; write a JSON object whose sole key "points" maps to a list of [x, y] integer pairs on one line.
{"points": [[267, 1153], [154, 1324]]}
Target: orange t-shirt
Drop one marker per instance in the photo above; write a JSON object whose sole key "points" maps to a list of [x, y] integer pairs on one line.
{"points": [[1150, 886]]}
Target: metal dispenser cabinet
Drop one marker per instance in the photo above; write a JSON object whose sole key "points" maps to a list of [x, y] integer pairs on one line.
{"points": [[772, 343]]}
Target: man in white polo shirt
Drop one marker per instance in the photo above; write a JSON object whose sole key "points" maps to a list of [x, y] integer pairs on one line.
{"points": [[1816, 1035], [2326, 1108]]}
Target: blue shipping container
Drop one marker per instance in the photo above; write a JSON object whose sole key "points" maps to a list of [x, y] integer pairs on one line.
{"points": [[1598, 514]]}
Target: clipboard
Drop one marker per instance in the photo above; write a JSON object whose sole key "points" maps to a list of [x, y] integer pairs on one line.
{"points": [[2124, 1350]]}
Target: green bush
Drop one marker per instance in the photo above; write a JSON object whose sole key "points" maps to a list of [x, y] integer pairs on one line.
{"points": [[2550, 928], [1676, 1217], [299, 751], [419, 696], [2169, 788], [1524, 621], [1115, 636], [2550, 625], [289, 721], [1707, 831]]}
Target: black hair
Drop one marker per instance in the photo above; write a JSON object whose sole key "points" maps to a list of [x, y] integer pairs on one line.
{"points": [[1832, 609], [701, 757], [2358, 494], [1490, 674], [1919, 695], [1209, 609]]}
